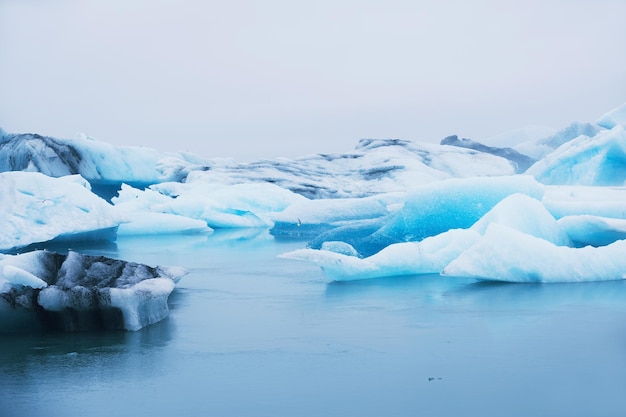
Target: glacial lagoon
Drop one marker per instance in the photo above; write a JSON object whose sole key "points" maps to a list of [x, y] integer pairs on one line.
{"points": [[251, 334]]}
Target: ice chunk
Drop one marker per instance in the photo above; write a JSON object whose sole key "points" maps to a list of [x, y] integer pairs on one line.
{"points": [[216, 205], [36, 208], [505, 254], [600, 160], [429, 256], [77, 292], [161, 224]]}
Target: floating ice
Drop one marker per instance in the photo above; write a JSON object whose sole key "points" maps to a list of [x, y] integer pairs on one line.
{"points": [[389, 207], [100, 163], [453, 204], [36, 208], [76, 292], [203, 203], [505, 254], [429, 256], [524, 219]]}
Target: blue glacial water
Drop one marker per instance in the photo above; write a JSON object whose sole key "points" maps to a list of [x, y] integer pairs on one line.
{"points": [[250, 334]]}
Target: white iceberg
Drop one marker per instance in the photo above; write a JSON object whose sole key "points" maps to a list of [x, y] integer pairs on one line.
{"points": [[202, 206], [429, 256], [505, 254], [36, 208]]}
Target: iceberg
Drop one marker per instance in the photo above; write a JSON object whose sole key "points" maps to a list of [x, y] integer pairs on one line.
{"points": [[205, 205], [105, 166], [36, 208], [42, 290], [432, 254], [505, 254], [452, 204], [428, 211], [429, 256], [388, 207], [470, 252]]}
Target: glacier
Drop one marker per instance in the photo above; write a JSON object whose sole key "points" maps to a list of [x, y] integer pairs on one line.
{"points": [[43, 290], [533, 205]]}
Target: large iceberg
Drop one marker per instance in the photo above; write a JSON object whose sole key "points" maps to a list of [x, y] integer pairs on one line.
{"points": [[517, 240], [105, 166], [36, 208], [43, 290], [204, 205], [505, 254]]}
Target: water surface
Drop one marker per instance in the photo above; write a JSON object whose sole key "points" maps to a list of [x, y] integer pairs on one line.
{"points": [[250, 334]]}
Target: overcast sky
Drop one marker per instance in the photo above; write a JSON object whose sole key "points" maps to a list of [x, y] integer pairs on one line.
{"points": [[251, 79]]}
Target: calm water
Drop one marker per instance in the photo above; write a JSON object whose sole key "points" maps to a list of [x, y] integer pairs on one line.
{"points": [[250, 334]]}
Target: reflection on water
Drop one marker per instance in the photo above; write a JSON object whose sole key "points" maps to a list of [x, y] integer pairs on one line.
{"points": [[20, 351], [251, 334]]}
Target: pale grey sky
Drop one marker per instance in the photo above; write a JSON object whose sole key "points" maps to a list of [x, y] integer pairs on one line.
{"points": [[252, 79]]}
